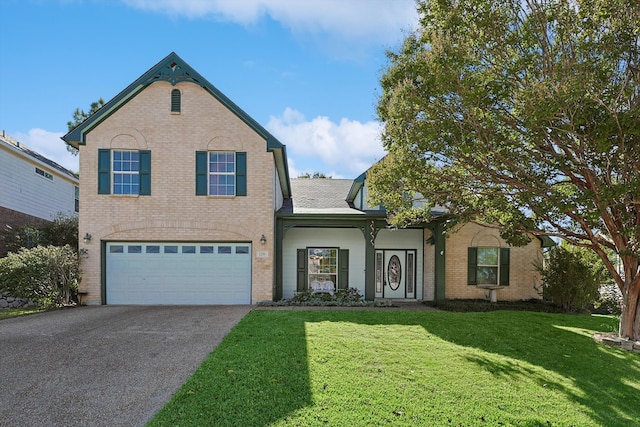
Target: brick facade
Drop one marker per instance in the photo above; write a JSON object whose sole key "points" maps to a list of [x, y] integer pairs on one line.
{"points": [[172, 212], [523, 277], [11, 218]]}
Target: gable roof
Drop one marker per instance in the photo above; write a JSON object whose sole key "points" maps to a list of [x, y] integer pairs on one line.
{"points": [[174, 69], [19, 148], [321, 195]]}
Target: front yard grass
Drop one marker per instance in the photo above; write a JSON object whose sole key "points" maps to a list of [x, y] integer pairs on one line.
{"points": [[407, 368], [6, 313]]}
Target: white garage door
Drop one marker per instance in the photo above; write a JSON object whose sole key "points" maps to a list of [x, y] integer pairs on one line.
{"points": [[178, 273]]}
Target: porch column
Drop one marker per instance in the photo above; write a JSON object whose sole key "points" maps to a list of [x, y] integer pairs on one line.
{"points": [[439, 261], [370, 232]]}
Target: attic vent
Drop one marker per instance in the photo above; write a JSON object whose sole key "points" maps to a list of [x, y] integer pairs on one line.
{"points": [[175, 101]]}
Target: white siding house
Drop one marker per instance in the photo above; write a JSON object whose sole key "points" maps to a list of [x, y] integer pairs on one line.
{"points": [[32, 187]]}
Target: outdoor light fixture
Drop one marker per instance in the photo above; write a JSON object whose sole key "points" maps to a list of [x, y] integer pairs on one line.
{"points": [[263, 239], [87, 238]]}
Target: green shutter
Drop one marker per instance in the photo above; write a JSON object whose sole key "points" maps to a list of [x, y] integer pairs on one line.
{"points": [[145, 172], [472, 264], [343, 269], [104, 171], [504, 266], [241, 174], [301, 270], [175, 101], [201, 173]]}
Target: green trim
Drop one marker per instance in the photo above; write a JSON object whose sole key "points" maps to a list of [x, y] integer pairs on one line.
{"points": [[546, 241], [301, 270], [174, 70], [369, 271], [439, 262], [343, 268], [241, 174], [176, 101], [104, 171], [145, 172], [472, 266], [103, 272], [202, 162], [504, 267], [278, 291], [358, 183]]}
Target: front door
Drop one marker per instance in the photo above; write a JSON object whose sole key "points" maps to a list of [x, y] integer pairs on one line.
{"points": [[395, 273]]}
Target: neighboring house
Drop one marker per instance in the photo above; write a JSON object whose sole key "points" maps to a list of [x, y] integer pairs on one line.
{"points": [[33, 189], [185, 199]]}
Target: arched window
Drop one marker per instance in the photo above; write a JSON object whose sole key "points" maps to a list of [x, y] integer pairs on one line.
{"points": [[175, 101]]}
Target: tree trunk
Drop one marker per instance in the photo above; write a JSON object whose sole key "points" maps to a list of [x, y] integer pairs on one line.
{"points": [[630, 318]]}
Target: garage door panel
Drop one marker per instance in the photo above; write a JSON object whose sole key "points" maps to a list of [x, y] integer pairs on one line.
{"points": [[178, 273]]}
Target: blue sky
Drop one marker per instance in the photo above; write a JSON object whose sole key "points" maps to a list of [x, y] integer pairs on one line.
{"points": [[307, 70]]}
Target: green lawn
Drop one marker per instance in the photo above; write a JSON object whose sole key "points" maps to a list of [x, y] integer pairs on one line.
{"points": [[6, 313], [407, 368]]}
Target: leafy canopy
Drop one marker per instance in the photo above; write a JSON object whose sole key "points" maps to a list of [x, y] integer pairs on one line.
{"points": [[520, 113], [524, 113]]}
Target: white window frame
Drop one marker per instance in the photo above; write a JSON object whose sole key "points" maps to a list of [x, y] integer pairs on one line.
{"points": [[123, 173], [43, 173], [322, 277], [227, 175], [496, 266]]}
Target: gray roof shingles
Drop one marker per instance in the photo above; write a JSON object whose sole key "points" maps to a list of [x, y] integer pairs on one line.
{"points": [[321, 195]]}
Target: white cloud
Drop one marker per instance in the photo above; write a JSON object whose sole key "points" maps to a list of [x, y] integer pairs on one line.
{"points": [[344, 149], [370, 21], [49, 145]]}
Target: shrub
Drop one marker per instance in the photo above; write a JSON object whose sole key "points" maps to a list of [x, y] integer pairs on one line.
{"points": [[570, 278], [62, 230], [610, 301], [47, 275]]}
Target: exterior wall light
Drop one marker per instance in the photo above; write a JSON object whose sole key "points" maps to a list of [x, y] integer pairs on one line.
{"points": [[87, 238], [263, 239]]}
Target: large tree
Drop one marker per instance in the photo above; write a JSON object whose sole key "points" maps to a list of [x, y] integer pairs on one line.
{"points": [[524, 114]]}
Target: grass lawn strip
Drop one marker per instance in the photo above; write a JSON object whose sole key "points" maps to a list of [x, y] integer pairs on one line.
{"points": [[7, 313], [291, 368]]}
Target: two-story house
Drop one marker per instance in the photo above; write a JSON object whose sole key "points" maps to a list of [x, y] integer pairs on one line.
{"points": [[185, 199], [33, 188]]}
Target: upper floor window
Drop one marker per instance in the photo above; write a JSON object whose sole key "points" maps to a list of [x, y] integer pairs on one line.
{"points": [[126, 169], [124, 172], [44, 174], [76, 196], [488, 266], [176, 101], [221, 173]]}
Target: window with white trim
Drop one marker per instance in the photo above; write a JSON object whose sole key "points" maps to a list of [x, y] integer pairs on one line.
{"points": [[222, 173], [126, 172], [43, 173], [323, 269], [488, 266]]}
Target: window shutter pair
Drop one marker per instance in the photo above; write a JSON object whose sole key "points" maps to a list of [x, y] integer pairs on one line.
{"points": [[104, 172], [202, 173], [302, 272], [472, 264]]}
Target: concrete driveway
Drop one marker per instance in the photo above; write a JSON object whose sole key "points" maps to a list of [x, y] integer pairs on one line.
{"points": [[103, 365]]}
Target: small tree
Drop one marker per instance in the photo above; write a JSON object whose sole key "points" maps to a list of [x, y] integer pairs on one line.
{"points": [[570, 279], [80, 116]]}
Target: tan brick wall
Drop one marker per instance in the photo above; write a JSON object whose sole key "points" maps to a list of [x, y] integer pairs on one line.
{"points": [[523, 277], [173, 212]]}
